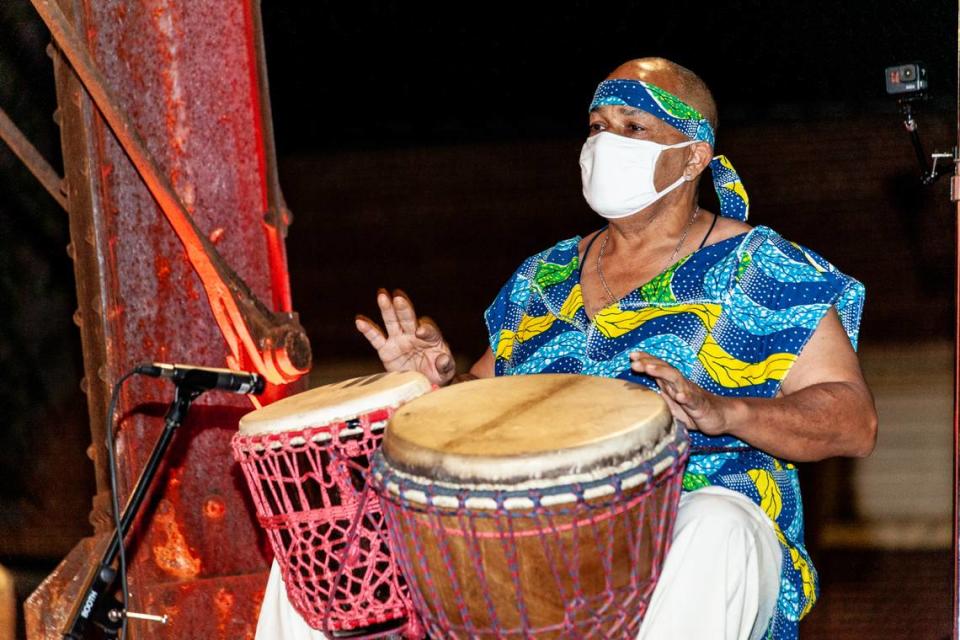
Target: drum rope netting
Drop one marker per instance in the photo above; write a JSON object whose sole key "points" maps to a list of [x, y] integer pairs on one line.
{"points": [[326, 528], [567, 537]]}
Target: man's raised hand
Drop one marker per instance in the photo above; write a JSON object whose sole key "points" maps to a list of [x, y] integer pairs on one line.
{"points": [[410, 344]]}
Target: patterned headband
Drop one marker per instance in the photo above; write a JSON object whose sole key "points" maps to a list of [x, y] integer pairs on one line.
{"points": [[661, 104]]}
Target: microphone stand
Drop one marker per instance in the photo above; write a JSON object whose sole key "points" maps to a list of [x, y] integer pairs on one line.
{"points": [[96, 606]]}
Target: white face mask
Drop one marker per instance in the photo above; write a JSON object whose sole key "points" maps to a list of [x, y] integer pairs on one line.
{"points": [[618, 173]]}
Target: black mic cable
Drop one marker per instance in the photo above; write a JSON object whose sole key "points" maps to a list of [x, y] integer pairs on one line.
{"points": [[115, 498]]}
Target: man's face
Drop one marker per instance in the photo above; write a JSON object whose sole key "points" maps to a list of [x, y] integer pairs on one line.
{"points": [[640, 125]]}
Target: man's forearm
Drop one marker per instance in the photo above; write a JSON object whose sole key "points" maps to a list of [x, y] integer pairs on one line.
{"points": [[817, 422]]}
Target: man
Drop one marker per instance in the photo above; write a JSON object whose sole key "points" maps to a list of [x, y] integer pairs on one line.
{"points": [[749, 338]]}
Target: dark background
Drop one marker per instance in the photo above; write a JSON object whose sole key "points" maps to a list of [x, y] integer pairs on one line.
{"points": [[434, 146], [378, 75]]}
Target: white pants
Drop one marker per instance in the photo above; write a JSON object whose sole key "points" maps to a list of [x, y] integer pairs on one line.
{"points": [[278, 619], [720, 580]]}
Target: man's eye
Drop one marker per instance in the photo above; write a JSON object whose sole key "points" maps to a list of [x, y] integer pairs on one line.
{"points": [[596, 127], [636, 127]]}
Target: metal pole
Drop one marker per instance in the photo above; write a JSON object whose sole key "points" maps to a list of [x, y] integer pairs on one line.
{"points": [[32, 158], [955, 196], [276, 346], [93, 81]]}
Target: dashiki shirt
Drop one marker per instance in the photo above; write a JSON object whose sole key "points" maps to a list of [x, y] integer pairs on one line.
{"points": [[732, 317]]}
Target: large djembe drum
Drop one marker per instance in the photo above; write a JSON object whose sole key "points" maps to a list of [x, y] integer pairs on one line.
{"points": [[532, 506], [306, 460]]}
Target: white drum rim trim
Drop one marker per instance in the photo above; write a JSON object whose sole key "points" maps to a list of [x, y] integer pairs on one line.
{"points": [[633, 463], [338, 402], [260, 442]]}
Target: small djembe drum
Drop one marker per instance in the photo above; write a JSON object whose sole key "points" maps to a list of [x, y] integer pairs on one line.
{"points": [[532, 506], [306, 460]]}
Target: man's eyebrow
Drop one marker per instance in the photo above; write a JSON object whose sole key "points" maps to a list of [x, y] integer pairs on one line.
{"points": [[631, 111]]}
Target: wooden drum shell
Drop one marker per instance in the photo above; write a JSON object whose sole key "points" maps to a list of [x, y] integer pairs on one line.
{"points": [[532, 506], [581, 571]]}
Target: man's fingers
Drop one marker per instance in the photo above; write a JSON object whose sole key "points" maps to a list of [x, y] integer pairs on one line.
{"points": [[685, 393], [389, 313], [654, 367], [444, 364], [678, 413], [428, 331], [679, 390], [406, 316], [370, 331], [670, 380]]}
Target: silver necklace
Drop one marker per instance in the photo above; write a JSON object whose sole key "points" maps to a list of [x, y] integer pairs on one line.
{"points": [[673, 257]]}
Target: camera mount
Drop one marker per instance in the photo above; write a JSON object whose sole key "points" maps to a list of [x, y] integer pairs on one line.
{"points": [[929, 171]]}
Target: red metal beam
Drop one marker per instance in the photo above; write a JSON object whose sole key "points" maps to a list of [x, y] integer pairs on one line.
{"points": [[276, 347], [186, 75]]}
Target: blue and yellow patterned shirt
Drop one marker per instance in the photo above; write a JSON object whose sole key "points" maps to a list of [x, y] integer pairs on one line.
{"points": [[732, 317]]}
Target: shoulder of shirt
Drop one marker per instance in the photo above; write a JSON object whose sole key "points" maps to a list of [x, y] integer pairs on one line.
{"points": [[766, 244], [560, 252]]}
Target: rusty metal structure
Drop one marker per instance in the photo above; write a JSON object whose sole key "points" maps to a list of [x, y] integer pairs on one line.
{"points": [[177, 228]]}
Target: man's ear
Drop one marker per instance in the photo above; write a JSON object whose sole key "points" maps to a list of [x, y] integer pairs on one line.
{"points": [[699, 159]]}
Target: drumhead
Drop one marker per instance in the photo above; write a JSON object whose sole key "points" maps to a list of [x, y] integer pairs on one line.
{"points": [[337, 402], [527, 427]]}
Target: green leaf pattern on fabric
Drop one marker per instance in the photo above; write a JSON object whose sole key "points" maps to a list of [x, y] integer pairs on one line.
{"points": [[744, 265], [660, 290], [549, 273], [694, 481], [672, 105]]}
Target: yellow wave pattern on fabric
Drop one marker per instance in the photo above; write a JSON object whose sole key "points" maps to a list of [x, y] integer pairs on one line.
{"points": [[771, 500], [572, 304], [614, 322], [738, 188], [530, 326], [728, 371], [505, 344], [806, 573]]}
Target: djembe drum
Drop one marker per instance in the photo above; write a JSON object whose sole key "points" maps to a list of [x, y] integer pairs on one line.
{"points": [[532, 506], [306, 461]]}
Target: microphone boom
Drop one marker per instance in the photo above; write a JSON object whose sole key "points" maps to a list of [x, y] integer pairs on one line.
{"points": [[206, 378]]}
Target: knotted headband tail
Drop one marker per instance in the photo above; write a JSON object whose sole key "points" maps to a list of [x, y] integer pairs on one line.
{"points": [[661, 104], [734, 202]]}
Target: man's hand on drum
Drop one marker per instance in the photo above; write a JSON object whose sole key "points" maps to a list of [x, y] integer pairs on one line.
{"points": [[410, 343], [697, 409]]}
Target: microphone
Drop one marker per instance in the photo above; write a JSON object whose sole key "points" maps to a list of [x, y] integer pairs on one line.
{"points": [[205, 378]]}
